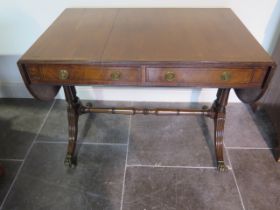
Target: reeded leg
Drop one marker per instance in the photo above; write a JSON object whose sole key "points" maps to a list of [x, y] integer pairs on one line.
{"points": [[219, 113], [73, 116], [219, 131]]}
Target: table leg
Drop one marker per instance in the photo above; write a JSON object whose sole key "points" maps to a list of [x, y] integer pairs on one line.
{"points": [[73, 111], [219, 111]]}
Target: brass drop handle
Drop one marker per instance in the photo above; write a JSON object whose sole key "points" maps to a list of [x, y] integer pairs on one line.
{"points": [[169, 76], [116, 75], [63, 74], [225, 76]]}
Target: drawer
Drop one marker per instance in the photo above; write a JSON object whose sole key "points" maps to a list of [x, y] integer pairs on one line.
{"points": [[211, 77], [82, 74]]}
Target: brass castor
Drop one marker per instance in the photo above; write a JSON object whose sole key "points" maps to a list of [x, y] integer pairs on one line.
{"points": [[69, 161], [221, 166]]}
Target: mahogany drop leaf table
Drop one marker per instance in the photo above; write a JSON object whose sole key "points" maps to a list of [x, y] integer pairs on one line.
{"points": [[147, 47]]}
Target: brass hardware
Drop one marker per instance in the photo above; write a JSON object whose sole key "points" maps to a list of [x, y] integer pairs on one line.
{"points": [[169, 76], [63, 74], [225, 76], [116, 75], [221, 166]]}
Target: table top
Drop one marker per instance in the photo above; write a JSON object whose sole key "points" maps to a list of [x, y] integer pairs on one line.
{"points": [[147, 36]]}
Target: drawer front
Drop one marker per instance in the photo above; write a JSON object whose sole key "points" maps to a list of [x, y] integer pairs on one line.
{"points": [[204, 77], [82, 74]]}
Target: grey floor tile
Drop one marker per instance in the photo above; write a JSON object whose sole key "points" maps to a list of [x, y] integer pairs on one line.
{"points": [[20, 120], [179, 189], [11, 168], [258, 178], [246, 129], [171, 140], [100, 128], [44, 182]]}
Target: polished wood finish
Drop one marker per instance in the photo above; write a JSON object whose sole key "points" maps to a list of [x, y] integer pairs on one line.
{"points": [[147, 39], [83, 74], [76, 35], [152, 76], [145, 111], [205, 77], [147, 47], [147, 35], [73, 117], [41, 92], [219, 110]]}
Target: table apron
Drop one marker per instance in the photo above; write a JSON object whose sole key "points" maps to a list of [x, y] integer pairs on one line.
{"points": [[63, 74]]}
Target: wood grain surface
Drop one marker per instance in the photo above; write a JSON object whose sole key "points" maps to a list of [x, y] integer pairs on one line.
{"points": [[147, 35], [198, 45]]}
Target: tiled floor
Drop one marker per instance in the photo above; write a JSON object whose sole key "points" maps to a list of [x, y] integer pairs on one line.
{"points": [[134, 163]]}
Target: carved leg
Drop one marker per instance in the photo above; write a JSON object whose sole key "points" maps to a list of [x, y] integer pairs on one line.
{"points": [[219, 113], [73, 116]]}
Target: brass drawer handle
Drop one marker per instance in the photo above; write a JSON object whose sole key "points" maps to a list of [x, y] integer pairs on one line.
{"points": [[116, 75], [225, 76], [63, 74], [169, 76]]}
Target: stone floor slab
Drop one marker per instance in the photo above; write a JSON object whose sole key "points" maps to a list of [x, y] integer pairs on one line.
{"points": [[243, 128], [20, 120], [179, 189], [44, 182], [258, 178], [93, 128], [172, 140], [10, 170]]}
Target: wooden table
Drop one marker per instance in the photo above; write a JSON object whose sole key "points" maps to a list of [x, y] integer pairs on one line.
{"points": [[147, 47]]}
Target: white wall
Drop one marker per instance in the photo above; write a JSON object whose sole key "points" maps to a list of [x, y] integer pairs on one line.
{"points": [[22, 22]]}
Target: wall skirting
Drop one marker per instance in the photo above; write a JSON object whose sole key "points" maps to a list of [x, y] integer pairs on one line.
{"points": [[18, 90]]}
